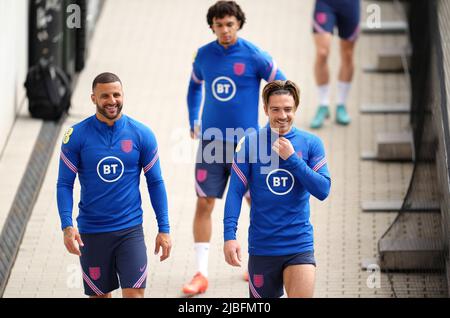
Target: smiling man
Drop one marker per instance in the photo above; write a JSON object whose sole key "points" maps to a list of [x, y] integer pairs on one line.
{"points": [[230, 69], [281, 244], [108, 151]]}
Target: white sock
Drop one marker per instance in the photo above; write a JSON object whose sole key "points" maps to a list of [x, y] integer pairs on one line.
{"points": [[324, 98], [201, 257], [343, 89]]}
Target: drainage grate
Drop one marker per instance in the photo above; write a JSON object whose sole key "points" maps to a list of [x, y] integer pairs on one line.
{"points": [[30, 185]]}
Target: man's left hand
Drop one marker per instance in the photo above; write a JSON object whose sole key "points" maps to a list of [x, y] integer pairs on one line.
{"points": [[163, 241]]}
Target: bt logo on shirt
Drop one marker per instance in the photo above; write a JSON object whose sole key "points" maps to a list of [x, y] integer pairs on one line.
{"points": [[280, 181], [110, 169], [223, 88]]}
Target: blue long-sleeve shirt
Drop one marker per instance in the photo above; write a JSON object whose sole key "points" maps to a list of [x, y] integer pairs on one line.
{"points": [[109, 161], [280, 191], [231, 79]]}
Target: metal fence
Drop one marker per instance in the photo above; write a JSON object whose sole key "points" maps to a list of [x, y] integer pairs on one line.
{"points": [[418, 239]]}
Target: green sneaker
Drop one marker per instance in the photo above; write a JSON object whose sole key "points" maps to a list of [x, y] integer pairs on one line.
{"points": [[322, 113], [342, 117]]}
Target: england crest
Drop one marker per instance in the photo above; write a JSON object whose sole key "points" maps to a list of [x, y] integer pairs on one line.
{"points": [[94, 273], [127, 145], [202, 174], [258, 280], [321, 17], [239, 68]]}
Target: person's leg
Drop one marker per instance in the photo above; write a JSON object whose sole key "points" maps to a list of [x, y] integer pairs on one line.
{"points": [[97, 265], [210, 183], [203, 232], [322, 42], [344, 80], [299, 274], [108, 295], [133, 292], [299, 280], [347, 17], [202, 219], [131, 262], [346, 68], [202, 237], [323, 24], [265, 276]]}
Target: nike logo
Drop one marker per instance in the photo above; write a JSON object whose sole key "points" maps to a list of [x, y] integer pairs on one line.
{"points": [[143, 268]]}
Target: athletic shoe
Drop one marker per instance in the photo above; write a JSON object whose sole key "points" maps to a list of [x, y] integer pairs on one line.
{"points": [[342, 117], [322, 113], [198, 285]]}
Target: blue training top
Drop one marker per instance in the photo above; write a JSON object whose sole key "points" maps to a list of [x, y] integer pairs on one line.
{"points": [[232, 80], [280, 191], [109, 160]]}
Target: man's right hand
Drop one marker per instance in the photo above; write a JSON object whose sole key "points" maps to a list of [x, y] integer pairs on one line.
{"points": [[72, 240]]}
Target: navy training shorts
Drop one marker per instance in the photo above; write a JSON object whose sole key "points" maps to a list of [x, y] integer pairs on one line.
{"points": [[113, 257], [265, 273]]}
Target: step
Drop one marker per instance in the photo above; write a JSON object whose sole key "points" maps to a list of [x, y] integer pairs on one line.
{"points": [[386, 27], [391, 146], [385, 108], [413, 242]]}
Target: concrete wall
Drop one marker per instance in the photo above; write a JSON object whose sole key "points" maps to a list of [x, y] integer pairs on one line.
{"points": [[13, 61]]}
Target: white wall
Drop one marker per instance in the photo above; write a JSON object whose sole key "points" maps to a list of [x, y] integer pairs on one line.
{"points": [[13, 61]]}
